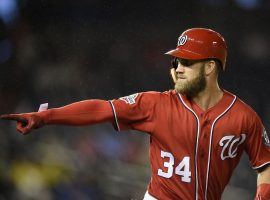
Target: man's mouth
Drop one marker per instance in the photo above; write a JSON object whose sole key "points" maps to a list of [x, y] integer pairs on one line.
{"points": [[181, 77]]}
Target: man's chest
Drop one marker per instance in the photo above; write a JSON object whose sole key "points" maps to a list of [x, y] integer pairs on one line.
{"points": [[191, 134]]}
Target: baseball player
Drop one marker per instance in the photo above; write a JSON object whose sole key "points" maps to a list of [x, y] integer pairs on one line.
{"points": [[198, 131]]}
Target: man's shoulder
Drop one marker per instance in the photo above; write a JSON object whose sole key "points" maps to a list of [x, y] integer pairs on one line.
{"points": [[167, 93], [243, 108], [158, 97]]}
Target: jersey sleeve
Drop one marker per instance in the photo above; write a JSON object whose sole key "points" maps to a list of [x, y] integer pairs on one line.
{"points": [[258, 144], [136, 111]]}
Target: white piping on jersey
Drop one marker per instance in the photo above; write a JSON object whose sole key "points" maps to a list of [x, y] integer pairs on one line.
{"points": [[267, 163], [196, 149], [210, 145], [115, 116]]}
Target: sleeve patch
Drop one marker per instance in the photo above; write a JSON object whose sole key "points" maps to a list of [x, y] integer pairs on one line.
{"points": [[131, 99], [266, 138]]}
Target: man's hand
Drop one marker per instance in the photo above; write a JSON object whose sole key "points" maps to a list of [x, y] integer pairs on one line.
{"points": [[80, 113], [26, 122], [263, 192], [263, 184]]}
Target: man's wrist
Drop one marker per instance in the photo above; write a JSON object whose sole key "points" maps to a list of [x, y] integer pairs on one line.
{"points": [[263, 192], [45, 116]]}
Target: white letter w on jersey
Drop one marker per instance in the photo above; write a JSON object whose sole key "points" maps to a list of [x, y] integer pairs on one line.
{"points": [[230, 145]]}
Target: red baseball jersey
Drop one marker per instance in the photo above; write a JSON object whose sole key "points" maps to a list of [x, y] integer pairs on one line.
{"points": [[193, 152]]}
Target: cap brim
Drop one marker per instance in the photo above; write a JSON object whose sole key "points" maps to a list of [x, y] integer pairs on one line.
{"points": [[185, 54]]}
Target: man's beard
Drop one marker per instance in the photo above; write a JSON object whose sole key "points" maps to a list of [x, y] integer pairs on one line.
{"points": [[193, 87]]}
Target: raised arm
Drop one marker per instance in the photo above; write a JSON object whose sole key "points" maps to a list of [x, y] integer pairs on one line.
{"points": [[86, 112]]}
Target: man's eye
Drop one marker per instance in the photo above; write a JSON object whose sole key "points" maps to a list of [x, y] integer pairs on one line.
{"points": [[175, 62]]}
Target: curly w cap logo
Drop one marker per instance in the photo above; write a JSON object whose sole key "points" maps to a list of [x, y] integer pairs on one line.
{"points": [[230, 144], [182, 40], [131, 99]]}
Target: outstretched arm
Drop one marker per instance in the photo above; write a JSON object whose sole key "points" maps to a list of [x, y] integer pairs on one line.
{"points": [[86, 112], [263, 185]]}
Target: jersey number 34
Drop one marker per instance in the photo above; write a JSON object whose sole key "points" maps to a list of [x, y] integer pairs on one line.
{"points": [[182, 168]]}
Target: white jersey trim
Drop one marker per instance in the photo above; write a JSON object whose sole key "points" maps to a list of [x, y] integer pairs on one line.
{"points": [[210, 144], [258, 167], [147, 196], [115, 116], [196, 150]]}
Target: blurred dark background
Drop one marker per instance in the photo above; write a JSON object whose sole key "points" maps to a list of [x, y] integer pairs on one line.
{"points": [[61, 51]]}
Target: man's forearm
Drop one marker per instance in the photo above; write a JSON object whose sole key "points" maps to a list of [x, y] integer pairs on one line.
{"points": [[80, 113], [263, 185]]}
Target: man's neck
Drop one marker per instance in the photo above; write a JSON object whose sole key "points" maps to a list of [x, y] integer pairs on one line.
{"points": [[208, 98]]}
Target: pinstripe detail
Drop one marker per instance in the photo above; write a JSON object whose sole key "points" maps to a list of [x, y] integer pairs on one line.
{"points": [[196, 149], [210, 144], [115, 116], [264, 164]]}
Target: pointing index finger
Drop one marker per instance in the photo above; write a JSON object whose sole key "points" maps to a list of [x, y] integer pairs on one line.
{"points": [[16, 117]]}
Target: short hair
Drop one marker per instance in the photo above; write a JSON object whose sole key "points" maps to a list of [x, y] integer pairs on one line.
{"points": [[218, 64], [219, 68]]}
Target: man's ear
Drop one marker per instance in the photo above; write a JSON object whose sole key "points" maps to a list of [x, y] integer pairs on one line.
{"points": [[209, 67]]}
